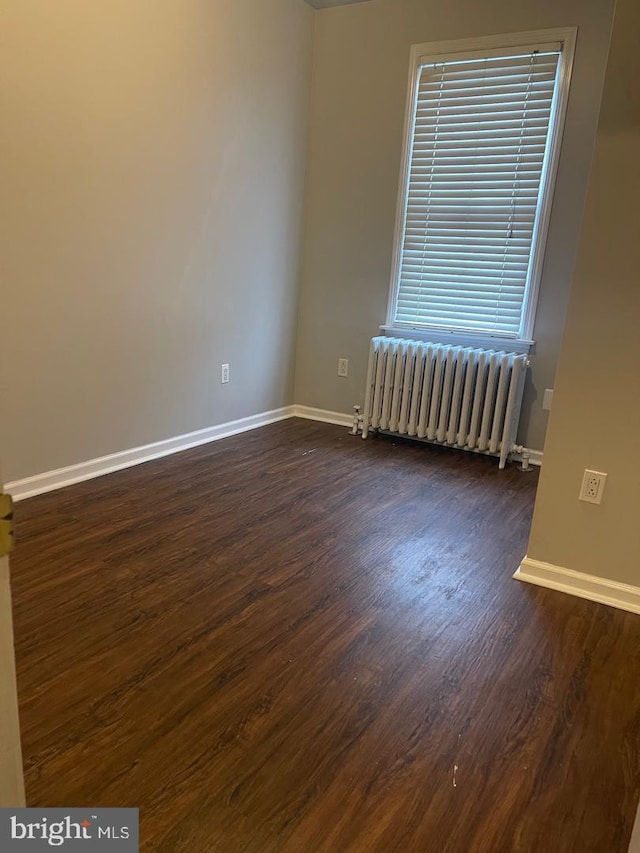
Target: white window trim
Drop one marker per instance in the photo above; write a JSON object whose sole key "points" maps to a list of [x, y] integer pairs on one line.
{"points": [[565, 35], [458, 338]]}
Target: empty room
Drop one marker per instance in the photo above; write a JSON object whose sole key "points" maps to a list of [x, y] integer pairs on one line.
{"points": [[319, 393]]}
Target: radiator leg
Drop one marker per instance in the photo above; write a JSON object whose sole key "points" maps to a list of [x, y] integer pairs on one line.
{"points": [[504, 455]]}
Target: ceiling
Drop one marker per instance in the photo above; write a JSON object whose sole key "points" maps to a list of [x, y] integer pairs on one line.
{"points": [[324, 4]]}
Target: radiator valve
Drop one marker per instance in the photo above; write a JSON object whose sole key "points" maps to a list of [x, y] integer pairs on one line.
{"points": [[357, 421]]}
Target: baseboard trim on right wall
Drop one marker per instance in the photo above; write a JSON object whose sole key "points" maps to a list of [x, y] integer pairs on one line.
{"points": [[603, 591], [310, 413]]}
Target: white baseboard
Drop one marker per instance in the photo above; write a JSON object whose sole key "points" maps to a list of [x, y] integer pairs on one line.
{"points": [[61, 477], [51, 480], [342, 419], [591, 587], [323, 415]]}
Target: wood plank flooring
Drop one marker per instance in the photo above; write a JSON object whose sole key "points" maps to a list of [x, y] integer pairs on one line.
{"points": [[294, 641]]}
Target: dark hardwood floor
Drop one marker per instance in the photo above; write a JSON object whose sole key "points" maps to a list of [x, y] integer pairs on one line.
{"points": [[296, 641]]}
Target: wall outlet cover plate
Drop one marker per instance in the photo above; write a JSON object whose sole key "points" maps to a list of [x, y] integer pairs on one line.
{"points": [[593, 483]]}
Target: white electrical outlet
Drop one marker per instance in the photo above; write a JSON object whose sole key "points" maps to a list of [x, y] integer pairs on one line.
{"points": [[547, 399], [593, 483], [343, 367], [224, 374]]}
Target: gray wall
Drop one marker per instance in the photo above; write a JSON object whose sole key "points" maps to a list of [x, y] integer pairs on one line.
{"points": [[596, 410], [152, 168], [359, 88]]}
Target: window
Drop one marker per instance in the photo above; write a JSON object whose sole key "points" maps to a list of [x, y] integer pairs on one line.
{"points": [[482, 140]]}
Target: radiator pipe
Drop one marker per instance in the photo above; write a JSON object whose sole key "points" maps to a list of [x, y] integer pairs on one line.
{"points": [[357, 421], [525, 456]]}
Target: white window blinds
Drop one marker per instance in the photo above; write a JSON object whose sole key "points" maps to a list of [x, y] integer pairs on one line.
{"points": [[478, 145]]}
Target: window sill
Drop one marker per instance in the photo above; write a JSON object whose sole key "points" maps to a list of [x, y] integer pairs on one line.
{"points": [[439, 336]]}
